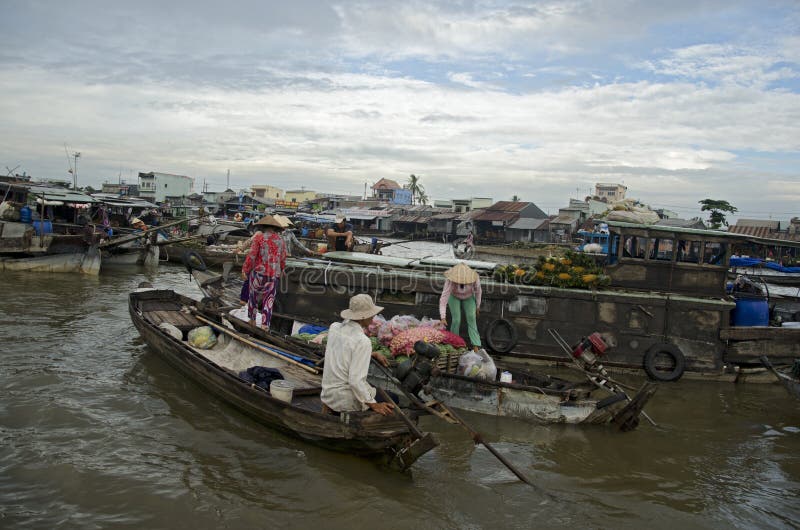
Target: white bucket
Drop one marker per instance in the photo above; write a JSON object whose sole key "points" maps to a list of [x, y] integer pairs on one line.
{"points": [[791, 325], [505, 377], [281, 389]]}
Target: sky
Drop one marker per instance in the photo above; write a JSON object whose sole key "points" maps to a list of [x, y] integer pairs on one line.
{"points": [[679, 101]]}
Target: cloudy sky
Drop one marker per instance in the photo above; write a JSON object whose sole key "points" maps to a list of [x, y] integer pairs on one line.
{"points": [[679, 100]]}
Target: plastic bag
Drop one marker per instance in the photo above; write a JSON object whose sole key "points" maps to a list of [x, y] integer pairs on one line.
{"points": [[202, 337], [478, 365], [171, 330]]}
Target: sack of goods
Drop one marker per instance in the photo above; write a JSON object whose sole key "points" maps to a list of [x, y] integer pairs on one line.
{"points": [[478, 365], [202, 337]]}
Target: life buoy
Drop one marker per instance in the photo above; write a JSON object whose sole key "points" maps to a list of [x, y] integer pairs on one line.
{"points": [[664, 349], [501, 335], [193, 261]]}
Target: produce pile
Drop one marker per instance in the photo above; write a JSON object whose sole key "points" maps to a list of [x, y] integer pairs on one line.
{"points": [[574, 270], [395, 338]]}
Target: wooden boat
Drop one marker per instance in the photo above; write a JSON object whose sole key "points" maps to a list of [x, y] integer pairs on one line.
{"points": [[789, 378], [360, 433], [531, 396]]}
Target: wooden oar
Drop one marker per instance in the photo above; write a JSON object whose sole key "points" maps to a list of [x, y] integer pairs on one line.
{"points": [[253, 344], [476, 436]]}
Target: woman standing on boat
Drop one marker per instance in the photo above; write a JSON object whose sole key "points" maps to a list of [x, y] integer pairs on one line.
{"points": [[462, 290], [263, 267]]}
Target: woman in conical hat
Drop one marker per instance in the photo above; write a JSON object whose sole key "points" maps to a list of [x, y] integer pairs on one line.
{"points": [[263, 268], [462, 290]]}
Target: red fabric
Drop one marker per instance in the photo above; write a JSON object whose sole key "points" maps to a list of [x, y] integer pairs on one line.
{"points": [[267, 255]]}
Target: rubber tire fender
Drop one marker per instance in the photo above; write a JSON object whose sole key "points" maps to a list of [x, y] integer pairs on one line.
{"points": [[512, 334], [194, 261], [670, 350]]}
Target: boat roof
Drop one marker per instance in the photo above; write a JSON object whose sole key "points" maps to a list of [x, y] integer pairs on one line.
{"points": [[706, 233], [405, 263]]}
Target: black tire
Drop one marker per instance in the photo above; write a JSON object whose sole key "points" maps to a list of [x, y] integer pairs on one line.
{"points": [[501, 335], [610, 400], [660, 350], [193, 261]]}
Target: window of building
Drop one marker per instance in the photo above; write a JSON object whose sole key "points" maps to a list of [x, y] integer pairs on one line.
{"points": [[635, 247], [714, 253], [662, 249], [688, 251]]}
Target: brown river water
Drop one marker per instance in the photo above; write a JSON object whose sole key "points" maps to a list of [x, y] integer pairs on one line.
{"points": [[97, 432]]}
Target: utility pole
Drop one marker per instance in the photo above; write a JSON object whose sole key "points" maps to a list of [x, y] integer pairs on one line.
{"points": [[228, 185], [76, 155]]}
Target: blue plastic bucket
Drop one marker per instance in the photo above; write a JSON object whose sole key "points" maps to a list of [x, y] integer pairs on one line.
{"points": [[25, 214], [750, 311], [39, 226]]}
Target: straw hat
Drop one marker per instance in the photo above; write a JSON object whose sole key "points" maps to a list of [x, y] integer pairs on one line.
{"points": [[136, 221], [461, 273], [270, 220], [361, 307], [339, 219], [283, 219]]}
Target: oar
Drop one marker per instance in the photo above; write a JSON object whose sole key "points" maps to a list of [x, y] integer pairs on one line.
{"points": [[476, 436], [253, 344], [399, 413]]}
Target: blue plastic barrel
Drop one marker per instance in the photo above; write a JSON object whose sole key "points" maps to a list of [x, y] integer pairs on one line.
{"points": [[39, 226], [750, 311], [25, 214]]}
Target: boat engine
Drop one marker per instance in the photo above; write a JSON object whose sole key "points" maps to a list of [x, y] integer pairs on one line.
{"points": [[589, 350], [415, 373]]}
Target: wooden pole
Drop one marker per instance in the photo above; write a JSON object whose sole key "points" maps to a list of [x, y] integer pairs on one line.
{"points": [[476, 436], [254, 345]]}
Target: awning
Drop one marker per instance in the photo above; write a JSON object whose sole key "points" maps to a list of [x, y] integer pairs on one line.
{"points": [[361, 217]]}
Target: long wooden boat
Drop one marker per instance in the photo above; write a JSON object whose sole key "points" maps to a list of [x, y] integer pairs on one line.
{"points": [[665, 313], [216, 370], [532, 396]]}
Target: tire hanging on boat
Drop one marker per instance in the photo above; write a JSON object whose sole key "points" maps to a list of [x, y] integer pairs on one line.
{"points": [[671, 351], [501, 335], [193, 261]]}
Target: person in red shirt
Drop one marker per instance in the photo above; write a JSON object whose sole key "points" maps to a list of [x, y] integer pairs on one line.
{"points": [[263, 268]]}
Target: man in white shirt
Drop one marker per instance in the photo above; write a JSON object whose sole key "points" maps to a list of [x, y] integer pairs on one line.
{"points": [[347, 357]]}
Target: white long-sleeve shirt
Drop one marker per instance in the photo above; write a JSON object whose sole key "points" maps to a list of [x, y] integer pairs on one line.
{"points": [[344, 378]]}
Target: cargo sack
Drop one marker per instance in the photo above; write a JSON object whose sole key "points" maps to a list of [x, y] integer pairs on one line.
{"points": [[202, 337]]}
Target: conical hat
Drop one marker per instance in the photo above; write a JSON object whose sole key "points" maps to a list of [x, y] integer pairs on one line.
{"points": [[461, 273], [270, 220]]}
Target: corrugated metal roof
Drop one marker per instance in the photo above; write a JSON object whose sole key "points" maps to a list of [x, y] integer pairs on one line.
{"points": [[509, 206], [497, 215], [60, 194], [564, 220], [751, 230], [446, 216], [411, 219], [529, 224]]}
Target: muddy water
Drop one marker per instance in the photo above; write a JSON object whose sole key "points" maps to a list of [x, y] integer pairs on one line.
{"points": [[97, 432]]}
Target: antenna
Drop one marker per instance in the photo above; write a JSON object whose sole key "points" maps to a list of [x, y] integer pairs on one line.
{"points": [[229, 180]]}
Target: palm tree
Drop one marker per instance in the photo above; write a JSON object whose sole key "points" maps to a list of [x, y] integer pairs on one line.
{"points": [[422, 197], [415, 188]]}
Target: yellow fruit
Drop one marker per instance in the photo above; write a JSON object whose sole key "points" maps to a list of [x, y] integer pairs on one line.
{"points": [[519, 272], [564, 276], [540, 275], [577, 269], [549, 267], [589, 278], [565, 261]]}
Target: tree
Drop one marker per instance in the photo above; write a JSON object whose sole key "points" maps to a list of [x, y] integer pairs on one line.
{"points": [[416, 189], [515, 198], [422, 197], [716, 218]]}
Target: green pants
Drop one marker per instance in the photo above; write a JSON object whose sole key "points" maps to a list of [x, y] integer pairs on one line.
{"points": [[470, 310]]}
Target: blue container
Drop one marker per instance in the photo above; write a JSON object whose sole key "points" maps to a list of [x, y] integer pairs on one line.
{"points": [[46, 226], [750, 311], [25, 214]]}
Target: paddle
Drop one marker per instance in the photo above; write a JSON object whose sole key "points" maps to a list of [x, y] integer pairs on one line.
{"points": [[475, 435]]}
